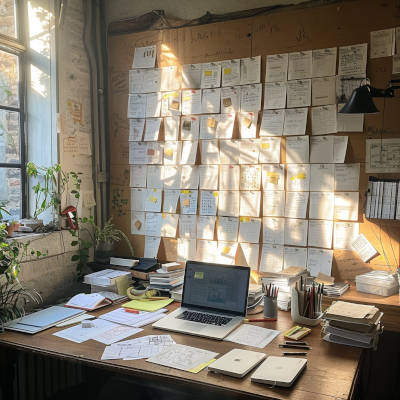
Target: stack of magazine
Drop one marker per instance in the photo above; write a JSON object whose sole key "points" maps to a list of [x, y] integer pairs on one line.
{"points": [[336, 289], [168, 277], [352, 324]]}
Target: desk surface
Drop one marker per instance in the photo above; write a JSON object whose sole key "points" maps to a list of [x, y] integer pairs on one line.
{"points": [[330, 371]]}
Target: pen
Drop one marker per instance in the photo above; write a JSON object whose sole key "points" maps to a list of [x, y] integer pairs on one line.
{"points": [[296, 343], [294, 353], [260, 320], [294, 346], [131, 310]]}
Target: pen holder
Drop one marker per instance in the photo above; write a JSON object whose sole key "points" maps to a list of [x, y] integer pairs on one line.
{"points": [[296, 317], [270, 307]]}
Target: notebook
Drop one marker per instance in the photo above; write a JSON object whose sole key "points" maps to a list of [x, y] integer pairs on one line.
{"points": [[88, 302], [237, 362]]}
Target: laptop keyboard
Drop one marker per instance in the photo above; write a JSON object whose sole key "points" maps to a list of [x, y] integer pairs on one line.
{"points": [[204, 318]]}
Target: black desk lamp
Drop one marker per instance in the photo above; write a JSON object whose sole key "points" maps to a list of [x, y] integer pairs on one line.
{"points": [[361, 99]]}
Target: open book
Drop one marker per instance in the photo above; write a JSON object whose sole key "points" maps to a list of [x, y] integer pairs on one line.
{"points": [[88, 302]]}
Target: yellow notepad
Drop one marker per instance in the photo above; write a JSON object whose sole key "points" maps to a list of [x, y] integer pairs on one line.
{"points": [[147, 305]]}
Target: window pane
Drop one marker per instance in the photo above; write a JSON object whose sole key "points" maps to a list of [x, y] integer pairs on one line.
{"points": [[9, 79], [11, 191], [7, 18], [9, 137]]}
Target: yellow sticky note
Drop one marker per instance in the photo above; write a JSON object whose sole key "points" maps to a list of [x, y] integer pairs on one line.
{"points": [[163, 215], [199, 275], [169, 152], [197, 369], [155, 190], [215, 194], [211, 122], [265, 145], [301, 175], [227, 71], [207, 73], [185, 191], [147, 305], [226, 250], [246, 122], [244, 219], [153, 199]]}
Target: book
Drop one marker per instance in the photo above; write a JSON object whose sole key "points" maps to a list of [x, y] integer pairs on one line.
{"points": [[123, 262], [172, 266], [352, 312], [356, 326], [106, 277], [88, 302]]}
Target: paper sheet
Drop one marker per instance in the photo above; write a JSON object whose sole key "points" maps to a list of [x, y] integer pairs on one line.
{"points": [[211, 75], [321, 205], [250, 177], [322, 178], [272, 123], [250, 252], [273, 230], [228, 204], [349, 122], [138, 176], [155, 176], [171, 128], [248, 124], [210, 101], [208, 126], [153, 200], [227, 229], [136, 105], [190, 127], [136, 128], [226, 253], [250, 70], [294, 257], [345, 234], [319, 260], [271, 258], [320, 233], [382, 43], [273, 177], [274, 203], [169, 225], [188, 201], [322, 149], [297, 149], [364, 248], [298, 93], [189, 152], [276, 68], [225, 126], [347, 177], [170, 79], [151, 246], [172, 152], [205, 227], [295, 121], [323, 91], [228, 152], [137, 222], [230, 99], [230, 72], [298, 177], [296, 204], [153, 105], [186, 249], [144, 80], [138, 196], [270, 150], [249, 229], [153, 223], [382, 156], [144, 57], [187, 226], [229, 176], [209, 177], [191, 76], [171, 197], [324, 62], [296, 232], [250, 97], [190, 176], [300, 65], [209, 152], [252, 335], [346, 206], [172, 177], [208, 202], [353, 59], [191, 102], [274, 95], [323, 120], [340, 148], [249, 151], [345, 84], [250, 203], [171, 103], [206, 250]]}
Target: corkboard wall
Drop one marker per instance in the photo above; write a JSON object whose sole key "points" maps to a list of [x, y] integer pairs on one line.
{"points": [[340, 24]]}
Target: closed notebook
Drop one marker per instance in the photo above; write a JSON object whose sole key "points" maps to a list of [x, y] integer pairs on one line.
{"points": [[352, 312], [279, 371], [237, 362], [88, 302]]}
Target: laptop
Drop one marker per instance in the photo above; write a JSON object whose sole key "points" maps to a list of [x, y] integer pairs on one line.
{"points": [[214, 300]]}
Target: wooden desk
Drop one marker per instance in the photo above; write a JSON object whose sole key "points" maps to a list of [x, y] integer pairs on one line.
{"points": [[390, 306], [331, 372]]}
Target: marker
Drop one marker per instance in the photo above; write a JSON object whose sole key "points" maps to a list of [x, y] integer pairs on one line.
{"points": [[294, 353], [295, 346], [131, 310], [260, 320], [296, 343]]}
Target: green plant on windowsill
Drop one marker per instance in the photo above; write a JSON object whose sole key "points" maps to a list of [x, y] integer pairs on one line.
{"points": [[3, 210]]}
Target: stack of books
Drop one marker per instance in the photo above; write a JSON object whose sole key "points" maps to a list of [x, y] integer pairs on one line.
{"points": [[168, 277], [255, 295], [352, 324], [336, 289]]}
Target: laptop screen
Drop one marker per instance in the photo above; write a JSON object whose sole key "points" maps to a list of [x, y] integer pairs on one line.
{"points": [[216, 287]]}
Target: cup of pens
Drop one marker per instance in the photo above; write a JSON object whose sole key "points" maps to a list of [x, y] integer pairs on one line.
{"points": [[270, 301]]}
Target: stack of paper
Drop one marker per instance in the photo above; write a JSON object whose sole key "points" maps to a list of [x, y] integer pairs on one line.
{"points": [[124, 317], [336, 289]]}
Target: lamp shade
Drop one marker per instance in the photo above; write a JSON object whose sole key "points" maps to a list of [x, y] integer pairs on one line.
{"points": [[360, 102]]}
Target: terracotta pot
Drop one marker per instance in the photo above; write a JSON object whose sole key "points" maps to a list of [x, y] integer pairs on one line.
{"points": [[12, 228]]}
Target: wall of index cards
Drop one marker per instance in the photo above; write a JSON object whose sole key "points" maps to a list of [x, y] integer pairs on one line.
{"points": [[220, 159]]}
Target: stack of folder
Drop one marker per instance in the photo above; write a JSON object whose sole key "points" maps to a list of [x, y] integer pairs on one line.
{"points": [[352, 324]]}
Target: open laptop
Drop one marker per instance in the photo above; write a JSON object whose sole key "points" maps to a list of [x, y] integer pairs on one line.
{"points": [[214, 300]]}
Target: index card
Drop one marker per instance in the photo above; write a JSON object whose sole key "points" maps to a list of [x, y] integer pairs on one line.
{"points": [[186, 249], [206, 251], [298, 93], [169, 225], [225, 126], [228, 151], [270, 150], [153, 223], [320, 233], [152, 129], [172, 177], [138, 176], [300, 65], [251, 252], [364, 248], [319, 261], [210, 101], [250, 70], [324, 62], [274, 95], [188, 201], [153, 200], [276, 68], [144, 57], [346, 206], [230, 72], [349, 122], [208, 202], [188, 226], [274, 203], [323, 91], [171, 197], [250, 177], [137, 223], [347, 177], [155, 176], [297, 149], [345, 234], [191, 101], [249, 151], [155, 153], [230, 99], [136, 127], [144, 80], [190, 176], [272, 123], [321, 205], [273, 230], [209, 152], [271, 258], [151, 246], [205, 227], [228, 204], [170, 79], [294, 257], [171, 128], [138, 197], [250, 97], [339, 149], [323, 120], [172, 152], [273, 177], [295, 121], [153, 105], [353, 59], [211, 75], [137, 153], [190, 127], [208, 126], [322, 178], [229, 176], [227, 228], [296, 232], [249, 229], [382, 43], [296, 204], [189, 152], [226, 253], [298, 177], [191, 76], [171, 103], [248, 125], [136, 105], [321, 149], [209, 177], [250, 203]]}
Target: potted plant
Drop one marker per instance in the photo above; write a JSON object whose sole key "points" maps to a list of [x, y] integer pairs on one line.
{"points": [[12, 227], [3, 210]]}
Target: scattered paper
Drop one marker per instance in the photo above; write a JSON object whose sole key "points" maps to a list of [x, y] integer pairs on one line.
{"points": [[353, 59], [251, 335], [271, 258], [277, 68], [345, 234]]}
